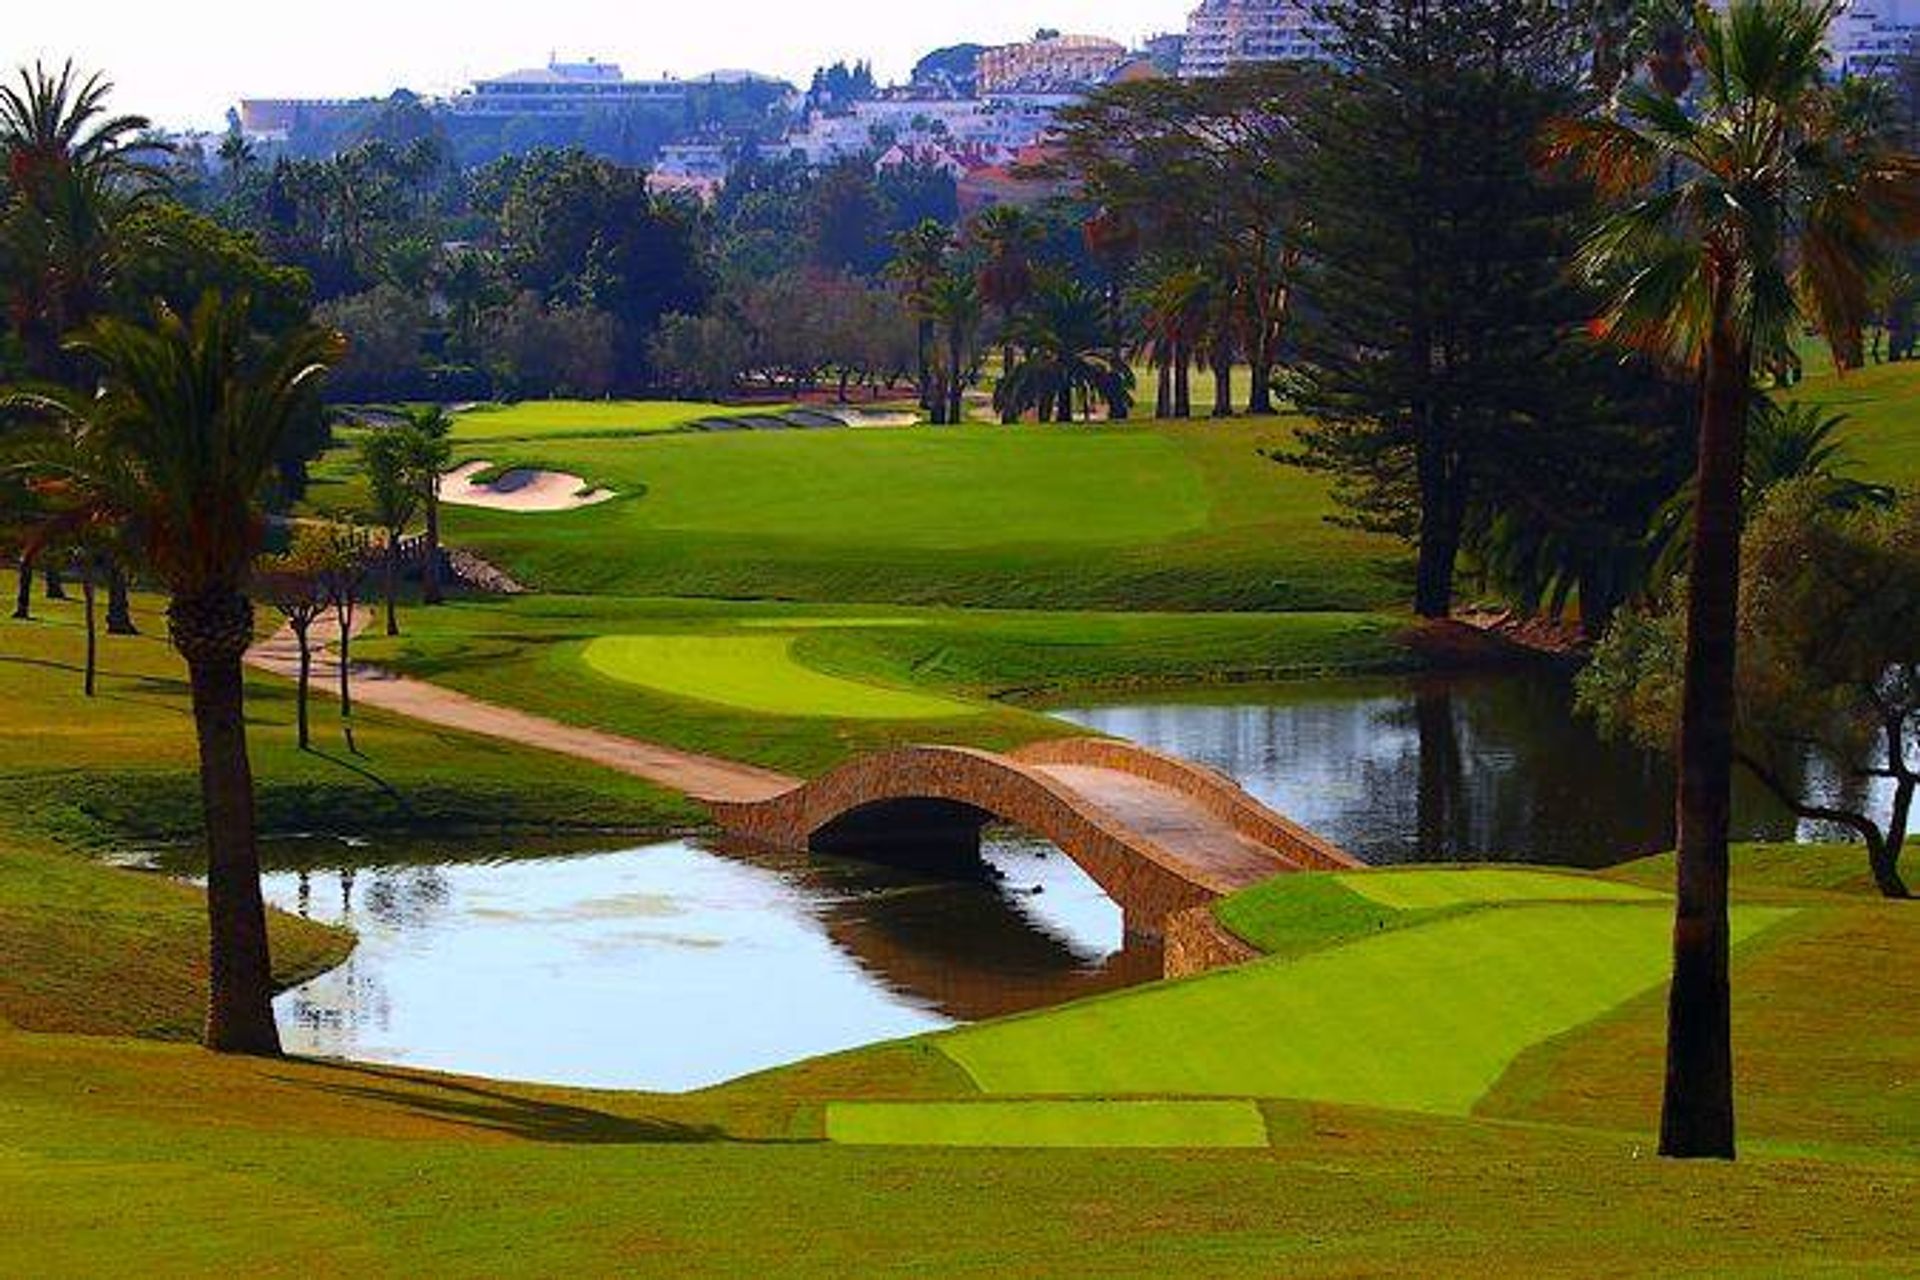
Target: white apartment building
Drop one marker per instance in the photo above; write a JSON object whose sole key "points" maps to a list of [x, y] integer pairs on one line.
{"points": [[1223, 34], [562, 89]]}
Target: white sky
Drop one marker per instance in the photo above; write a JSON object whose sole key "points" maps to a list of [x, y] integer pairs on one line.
{"points": [[184, 62]]}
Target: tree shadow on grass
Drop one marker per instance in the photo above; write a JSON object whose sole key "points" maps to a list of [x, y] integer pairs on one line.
{"points": [[363, 771], [497, 1112]]}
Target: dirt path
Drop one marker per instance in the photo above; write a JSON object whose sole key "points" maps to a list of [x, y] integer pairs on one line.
{"points": [[700, 777]]}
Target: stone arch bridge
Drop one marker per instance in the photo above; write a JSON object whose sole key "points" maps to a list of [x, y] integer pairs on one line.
{"points": [[1160, 835]]}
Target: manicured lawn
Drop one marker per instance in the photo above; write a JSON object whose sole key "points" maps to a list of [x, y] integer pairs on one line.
{"points": [[550, 419], [1169, 516], [1046, 1124], [116, 1155], [534, 652], [1424, 1018], [1883, 403], [120, 768], [1428, 889], [116, 1152], [101, 951], [756, 673]]}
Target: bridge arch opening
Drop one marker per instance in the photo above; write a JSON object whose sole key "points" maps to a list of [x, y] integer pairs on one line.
{"points": [[919, 833]]}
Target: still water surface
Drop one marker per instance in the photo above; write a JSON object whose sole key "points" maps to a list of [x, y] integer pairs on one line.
{"points": [[684, 963], [1431, 770], [677, 965]]}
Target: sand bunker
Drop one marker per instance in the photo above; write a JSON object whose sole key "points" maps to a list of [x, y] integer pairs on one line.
{"points": [[521, 489], [877, 417]]}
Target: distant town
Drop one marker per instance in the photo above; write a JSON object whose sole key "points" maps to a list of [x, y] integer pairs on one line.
{"points": [[972, 110]]}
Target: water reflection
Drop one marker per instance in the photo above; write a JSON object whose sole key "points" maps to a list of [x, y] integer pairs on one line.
{"points": [[1430, 770], [678, 965]]}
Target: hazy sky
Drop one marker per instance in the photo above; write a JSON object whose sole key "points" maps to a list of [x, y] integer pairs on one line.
{"points": [[185, 62]]}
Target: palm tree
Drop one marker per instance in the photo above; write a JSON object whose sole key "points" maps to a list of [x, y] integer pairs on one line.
{"points": [[1176, 308], [953, 304], [394, 490], [1064, 357], [71, 171], [1006, 236], [1773, 209], [429, 450], [920, 260], [179, 443]]}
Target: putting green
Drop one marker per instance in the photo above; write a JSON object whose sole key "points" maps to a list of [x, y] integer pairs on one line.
{"points": [[1424, 1018], [756, 673], [552, 419], [1429, 889], [1047, 1124]]}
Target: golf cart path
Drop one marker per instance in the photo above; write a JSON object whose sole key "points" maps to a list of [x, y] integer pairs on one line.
{"points": [[704, 778]]}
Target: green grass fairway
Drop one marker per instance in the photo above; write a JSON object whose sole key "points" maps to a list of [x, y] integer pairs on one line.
{"points": [[1145, 516], [120, 768], [532, 652], [756, 673], [1883, 403], [1424, 1018], [1046, 1124], [1430, 889], [101, 951], [552, 419]]}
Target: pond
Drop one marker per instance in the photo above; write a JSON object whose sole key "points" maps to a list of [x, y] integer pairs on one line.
{"points": [[683, 963], [677, 964], [1433, 769]]}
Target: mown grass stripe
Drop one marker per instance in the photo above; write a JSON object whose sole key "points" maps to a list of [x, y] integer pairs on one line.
{"points": [[1425, 1018], [1047, 1124]]}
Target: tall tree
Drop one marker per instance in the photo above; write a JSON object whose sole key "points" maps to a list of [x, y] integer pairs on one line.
{"points": [[393, 491], [429, 451], [919, 263], [1433, 266], [1737, 223], [179, 443], [1063, 356]]}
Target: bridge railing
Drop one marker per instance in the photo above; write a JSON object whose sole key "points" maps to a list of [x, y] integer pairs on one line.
{"points": [[1213, 791]]}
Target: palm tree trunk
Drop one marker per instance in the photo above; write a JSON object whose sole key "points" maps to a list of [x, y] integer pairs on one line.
{"points": [[430, 573], [1223, 387], [923, 354], [393, 581], [1696, 1118], [1163, 389], [301, 631], [23, 590], [1182, 384], [119, 603], [93, 630], [343, 616], [1260, 395], [211, 632], [957, 383]]}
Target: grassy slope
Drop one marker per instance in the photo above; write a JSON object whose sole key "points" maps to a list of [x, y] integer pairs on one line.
{"points": [[1826, 1051], [1163, 516], [1424, 1018], [111, 1149], [121, 767], [100, 951], [291, 1168]]}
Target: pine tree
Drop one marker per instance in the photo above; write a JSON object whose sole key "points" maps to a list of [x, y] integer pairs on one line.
{"points": [[1434, 276]]}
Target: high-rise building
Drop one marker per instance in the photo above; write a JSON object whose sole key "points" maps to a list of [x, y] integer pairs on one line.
{"points": [[1869, 34], [1050, 64], [1223, 34]]}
